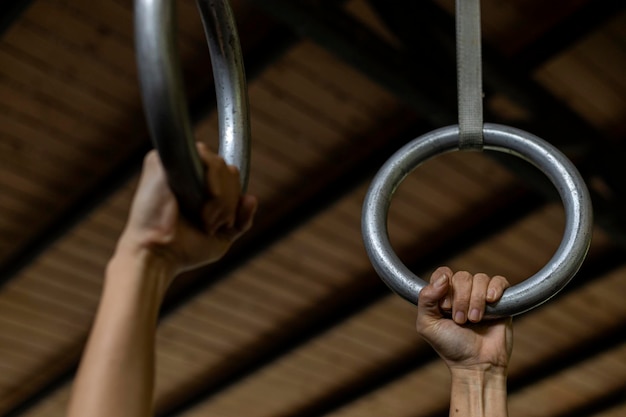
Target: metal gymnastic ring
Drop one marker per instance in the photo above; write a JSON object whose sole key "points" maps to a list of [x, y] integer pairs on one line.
{"points": [[165, 103], [523, 296]]}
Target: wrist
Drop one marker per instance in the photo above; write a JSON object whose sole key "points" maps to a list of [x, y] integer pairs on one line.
{"points": [[141, 267], [479, 391], [490, 374]]}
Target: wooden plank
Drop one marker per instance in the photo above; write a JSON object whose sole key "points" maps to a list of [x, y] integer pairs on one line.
{"points": [[95, 41], [333, 106], [38, 300], [20, 67], [286, 274], [317, 63], [37, 188], [61, 297], [41, 110], [212, 341], [20, 134], [44, 50], [605, 54], [55, 406], [113, 20], [579, 85], [269, 131], [573, 387], [20, 330], [65, 263], [320, 135], [84, 290]]}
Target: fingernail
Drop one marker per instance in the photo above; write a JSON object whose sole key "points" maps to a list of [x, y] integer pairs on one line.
{"points": [[441, 281], [491, 295], [446, 304], [459, 317], [474, 315]]}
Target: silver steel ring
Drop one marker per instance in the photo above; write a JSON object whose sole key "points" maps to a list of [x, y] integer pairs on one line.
{"points": [[165, 103], [521, 297]]}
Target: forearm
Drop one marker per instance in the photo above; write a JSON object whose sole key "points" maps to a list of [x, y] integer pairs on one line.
{"points": [[478, 392], [116, 374]]}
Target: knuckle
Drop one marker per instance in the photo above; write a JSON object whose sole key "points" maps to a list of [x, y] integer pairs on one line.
{"points": [[482, 277], [501, 281], [151, 157], [441, 271], [461, 277]]}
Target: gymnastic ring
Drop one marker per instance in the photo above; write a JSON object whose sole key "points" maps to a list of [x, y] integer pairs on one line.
{"points": [[165, 104], [521, 297]]}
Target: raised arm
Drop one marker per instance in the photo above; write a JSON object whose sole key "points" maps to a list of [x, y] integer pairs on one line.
{"points": [[477, 352], [116, 374]]}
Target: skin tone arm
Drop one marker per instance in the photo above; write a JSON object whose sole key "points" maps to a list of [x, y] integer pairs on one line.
{"points": [[116, 374], [476, 352]]}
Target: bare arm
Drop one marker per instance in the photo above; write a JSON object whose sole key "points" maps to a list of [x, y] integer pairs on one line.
{"points": [[477, 352], [116, 374], [478, 392]]}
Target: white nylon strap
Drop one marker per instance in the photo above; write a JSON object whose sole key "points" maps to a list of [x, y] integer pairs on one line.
{"points": [[469, 74]]}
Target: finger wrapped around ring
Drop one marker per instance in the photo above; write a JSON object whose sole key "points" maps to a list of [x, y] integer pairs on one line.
{"points": [[496, 288], [461, 294], [480, 285]]}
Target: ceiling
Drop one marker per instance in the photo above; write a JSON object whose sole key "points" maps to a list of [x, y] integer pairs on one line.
{"points": [[294, 321]]}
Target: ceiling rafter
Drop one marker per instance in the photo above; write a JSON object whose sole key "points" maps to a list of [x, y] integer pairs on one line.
{"points": [[350, 40], [86, 209]]}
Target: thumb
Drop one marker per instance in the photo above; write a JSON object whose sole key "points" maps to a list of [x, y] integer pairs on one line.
{"points": [[429, 298]]}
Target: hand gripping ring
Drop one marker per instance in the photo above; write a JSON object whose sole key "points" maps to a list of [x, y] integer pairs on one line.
{"points": [[523, 296], [165, 103]]}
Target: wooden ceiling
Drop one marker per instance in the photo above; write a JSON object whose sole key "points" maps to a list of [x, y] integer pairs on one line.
{"points": [[294, 322]]}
